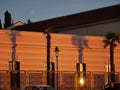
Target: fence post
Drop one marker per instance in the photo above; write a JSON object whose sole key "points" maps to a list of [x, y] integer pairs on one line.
{"points": [[92, 80], [8, 80]]}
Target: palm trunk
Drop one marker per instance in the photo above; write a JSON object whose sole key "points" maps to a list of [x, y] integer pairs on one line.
{"points": [[112, 63], [48, 58]]}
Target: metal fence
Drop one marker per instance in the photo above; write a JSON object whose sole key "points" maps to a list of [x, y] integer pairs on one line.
{"points": [[66, 80]]}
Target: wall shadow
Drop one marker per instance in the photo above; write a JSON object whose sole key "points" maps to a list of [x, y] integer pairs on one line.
{"points": [[13, 34], [81, 42]]}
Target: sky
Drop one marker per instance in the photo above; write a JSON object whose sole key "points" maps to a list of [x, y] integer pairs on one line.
{"points": [[38, 10]]}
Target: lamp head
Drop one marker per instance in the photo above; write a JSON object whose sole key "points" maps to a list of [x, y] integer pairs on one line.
{"points": [[57, 50]]}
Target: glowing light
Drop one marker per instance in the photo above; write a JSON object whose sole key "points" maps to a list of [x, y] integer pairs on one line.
{"points": [[82, 81]]}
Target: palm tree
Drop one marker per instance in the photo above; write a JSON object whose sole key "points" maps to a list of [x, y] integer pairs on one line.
{"points": [[48, 37], [112, 39]]}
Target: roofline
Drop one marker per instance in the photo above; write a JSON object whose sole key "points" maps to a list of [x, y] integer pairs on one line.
{"points": [[85, 25], [78, 19]]}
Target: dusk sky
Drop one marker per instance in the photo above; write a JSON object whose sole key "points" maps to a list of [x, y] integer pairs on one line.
{"points": [[37, 10]]}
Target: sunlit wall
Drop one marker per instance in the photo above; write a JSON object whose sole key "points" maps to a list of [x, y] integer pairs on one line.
{"points": [[30, 49]]}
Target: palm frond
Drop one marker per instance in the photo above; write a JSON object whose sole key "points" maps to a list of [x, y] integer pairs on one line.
{"points": [[111, 38]]}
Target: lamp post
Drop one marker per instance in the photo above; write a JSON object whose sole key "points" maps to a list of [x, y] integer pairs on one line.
{"points": [[57, 54]]}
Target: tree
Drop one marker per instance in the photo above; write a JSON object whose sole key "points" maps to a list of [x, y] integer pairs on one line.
{"points": [[112, 39], [48, 37], [29, 21], [7, 19], [0, 24]]}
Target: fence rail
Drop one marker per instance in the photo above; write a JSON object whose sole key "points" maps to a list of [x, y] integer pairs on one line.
{"points": [[66, 80]]}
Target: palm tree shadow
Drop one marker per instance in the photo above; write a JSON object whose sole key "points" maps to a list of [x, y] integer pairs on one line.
{"points": [[13, 34], [81, 42]]}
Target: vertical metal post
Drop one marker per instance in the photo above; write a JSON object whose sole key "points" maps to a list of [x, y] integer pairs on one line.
{"points": [[57, 70], [57, 54]]}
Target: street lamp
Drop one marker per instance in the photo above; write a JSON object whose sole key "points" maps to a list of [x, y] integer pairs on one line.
{"points": [[82, 81], [57, 54]]}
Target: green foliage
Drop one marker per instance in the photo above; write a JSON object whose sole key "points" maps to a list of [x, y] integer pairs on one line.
{"points": [[29, 21], [7, 19], [111, 38], [0, 24]]}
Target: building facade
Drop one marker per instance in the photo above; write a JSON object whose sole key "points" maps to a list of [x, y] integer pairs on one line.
{"points": [[95, 29], [94, 22], [79, 41], [30, 47]]}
